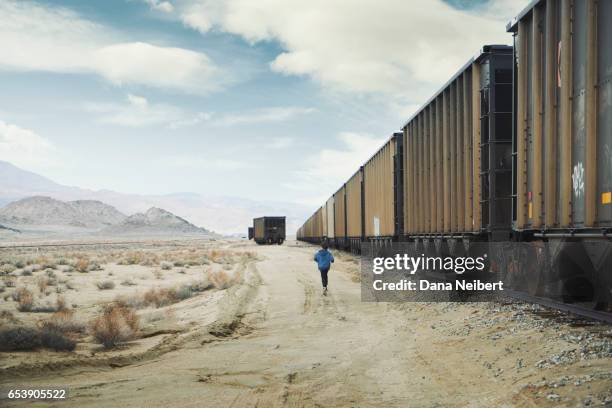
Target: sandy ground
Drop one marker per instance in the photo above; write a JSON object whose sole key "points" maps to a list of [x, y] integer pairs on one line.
{"points": [[277, 341]]}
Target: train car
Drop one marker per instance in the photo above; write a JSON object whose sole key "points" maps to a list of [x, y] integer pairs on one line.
{"points": [[457, 153], [269, 230], [329, 220], [251, 234], [354, 211], [563, 143], [379, 193], [457, 159], [340, 240]]}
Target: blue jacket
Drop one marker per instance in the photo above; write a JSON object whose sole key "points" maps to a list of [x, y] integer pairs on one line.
{"points": [[324, 258]]}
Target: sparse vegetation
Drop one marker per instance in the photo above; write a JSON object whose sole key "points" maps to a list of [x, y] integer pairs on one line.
{"points": [[9, 281], [29, 338], [105, 285], [24, 299], [42, 283], [222, 280], [117, 324], [165, 265], [7, 268], [63, 321], [82, 265]]}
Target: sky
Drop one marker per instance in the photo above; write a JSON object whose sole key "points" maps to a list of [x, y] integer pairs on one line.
{"points": [[276, 100]]}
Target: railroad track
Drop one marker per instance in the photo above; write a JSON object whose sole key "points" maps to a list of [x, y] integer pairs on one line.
{"points": [[575, 309]]}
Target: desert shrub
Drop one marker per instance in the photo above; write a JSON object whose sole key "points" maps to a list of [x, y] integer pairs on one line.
{"points": [[7, 268], [164, 265], [94, 266], [19, 339], [56, 340], [32, 268], [222, 280], [45, 262], [179, 264], [50, 273], [24, 299], [63, 321], [105, 285], [47, 307], [6, 316], [63, 262], [128, 282], [9, 281], [117, 324], [160, 297], [26, 272], [139, 258], [29, 338], [42, 283], [82, 265], [132, 258], [60, 304], [19, 263], [67, 268]]}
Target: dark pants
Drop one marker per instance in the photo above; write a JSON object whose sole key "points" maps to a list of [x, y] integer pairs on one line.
{"points": [[324, 276]]}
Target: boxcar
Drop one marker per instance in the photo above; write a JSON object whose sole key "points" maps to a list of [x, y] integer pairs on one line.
{"points": [[269, 230], [340, 240], [379, 203], [562, 143], [457, 154], [563, 120]]}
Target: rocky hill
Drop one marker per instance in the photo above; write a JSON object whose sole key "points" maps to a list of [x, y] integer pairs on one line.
{"points": [[155, 221], [48, 211]]}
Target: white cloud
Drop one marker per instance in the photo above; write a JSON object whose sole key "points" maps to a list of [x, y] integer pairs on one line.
{"points": [[146, 64], [136, 111], [164, 6], [364, 45], [34, 37], [202, 163], [325, 171], [24, 148], [263, 115]]}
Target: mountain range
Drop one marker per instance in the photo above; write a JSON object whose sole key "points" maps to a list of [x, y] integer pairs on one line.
{"points": [[41, 214], [225, 215]]}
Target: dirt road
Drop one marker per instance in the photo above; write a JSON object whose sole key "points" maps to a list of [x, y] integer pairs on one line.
{"points": [[277, 341]]}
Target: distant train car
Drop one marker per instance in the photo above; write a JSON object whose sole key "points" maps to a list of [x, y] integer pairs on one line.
{"points": [[269, 230], [251, 234]]}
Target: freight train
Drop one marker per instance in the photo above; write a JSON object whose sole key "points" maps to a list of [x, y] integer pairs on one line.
{"points": [[515, 148], [268, 230]]}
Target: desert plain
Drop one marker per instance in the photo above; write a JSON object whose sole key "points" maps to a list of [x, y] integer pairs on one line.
{"points": [[227, 323]]}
